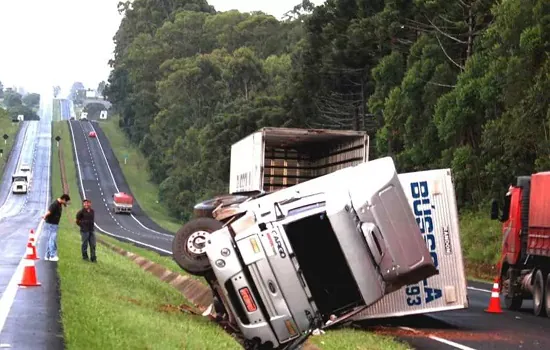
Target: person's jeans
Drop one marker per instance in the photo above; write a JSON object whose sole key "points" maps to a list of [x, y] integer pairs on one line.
{"points": [[51, 233], [88, 237]]}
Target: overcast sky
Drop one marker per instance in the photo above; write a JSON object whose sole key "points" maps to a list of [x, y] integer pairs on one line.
{"points": [[47, 42]]}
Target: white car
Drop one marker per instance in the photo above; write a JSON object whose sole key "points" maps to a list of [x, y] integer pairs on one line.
{"points": [[20, 183], [26, 169]]}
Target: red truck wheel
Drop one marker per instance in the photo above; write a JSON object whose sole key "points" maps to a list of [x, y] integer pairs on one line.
{"points": [[188, 246], [547, 295], [539, 309]]}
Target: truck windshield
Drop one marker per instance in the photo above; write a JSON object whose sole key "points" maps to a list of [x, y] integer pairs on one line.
{"points": [[19, 178], [506, 208], [323, 264]]}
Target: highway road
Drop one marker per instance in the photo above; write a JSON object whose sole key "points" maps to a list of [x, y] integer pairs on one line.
{"points": [[28, 316], [472, 328], [97, 166]]}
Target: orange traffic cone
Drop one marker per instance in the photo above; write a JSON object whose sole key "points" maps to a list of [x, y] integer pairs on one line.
{"points": [[29, 275], [31, 251], [494, 302]]}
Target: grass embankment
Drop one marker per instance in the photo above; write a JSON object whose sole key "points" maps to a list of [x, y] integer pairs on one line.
{"points": [[481, 244], [137, 175], [10, 129], [114, 304], [56, 113]]}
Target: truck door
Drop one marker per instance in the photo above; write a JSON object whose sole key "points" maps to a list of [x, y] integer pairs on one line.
{"points": [[511, 227]]}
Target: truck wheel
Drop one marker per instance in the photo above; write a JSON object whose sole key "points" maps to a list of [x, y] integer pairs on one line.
{"points": [[539, 308], [188, 246], [511, 301], [547, 295]]}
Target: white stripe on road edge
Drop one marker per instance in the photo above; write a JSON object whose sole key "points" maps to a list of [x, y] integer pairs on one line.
{"points": [[438, 339], [95, 224], [479, 290]]}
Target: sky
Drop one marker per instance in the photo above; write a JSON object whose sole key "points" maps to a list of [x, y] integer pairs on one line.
{"points": [[57, 42]]}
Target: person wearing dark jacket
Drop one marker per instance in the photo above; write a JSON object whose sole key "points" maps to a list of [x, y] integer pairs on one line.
{"points": [[51, 225], [85, 220]]}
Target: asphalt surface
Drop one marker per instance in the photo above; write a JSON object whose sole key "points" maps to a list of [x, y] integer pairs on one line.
{"points": [[97, 167], [472, 328], [29, 317]]}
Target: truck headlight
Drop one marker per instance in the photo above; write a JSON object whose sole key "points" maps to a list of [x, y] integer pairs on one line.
{"points": [[220, 263]]}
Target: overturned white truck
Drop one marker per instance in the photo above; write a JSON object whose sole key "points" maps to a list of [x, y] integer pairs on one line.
{"points": [[343, 234]]}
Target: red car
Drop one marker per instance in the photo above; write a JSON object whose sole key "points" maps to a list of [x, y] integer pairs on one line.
{"points": [[92, 134]]}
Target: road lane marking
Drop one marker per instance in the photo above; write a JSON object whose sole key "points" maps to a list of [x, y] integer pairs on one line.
{"points": [[8, 297], [114, 182], [116, 221], [438, 339], [479, 289]]}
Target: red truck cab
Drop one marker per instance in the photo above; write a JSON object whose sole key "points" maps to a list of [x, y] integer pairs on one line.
{"points": [[525, 261]]}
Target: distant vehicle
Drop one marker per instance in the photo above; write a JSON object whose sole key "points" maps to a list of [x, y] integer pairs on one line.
{"points": [[21, 117], [83, 116], [26, 169], [92, 134], [19, 183], [103, 114], [122, 203]]}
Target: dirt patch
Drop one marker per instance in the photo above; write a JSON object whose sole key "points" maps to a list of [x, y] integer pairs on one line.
{"points": [[131, 300], [456, 335]]}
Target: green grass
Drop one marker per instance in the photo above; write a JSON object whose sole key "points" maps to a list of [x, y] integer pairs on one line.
{"points": [[481, 244], [10, 129], [137, 175], [56, 114], [114, 304], [344, 339]]}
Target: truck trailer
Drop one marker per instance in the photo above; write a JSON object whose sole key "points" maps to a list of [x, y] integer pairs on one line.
{"points": [[525, 264], [273, 159]]}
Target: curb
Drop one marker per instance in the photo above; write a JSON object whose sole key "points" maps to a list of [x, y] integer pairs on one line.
{"points": [[192, 290]]}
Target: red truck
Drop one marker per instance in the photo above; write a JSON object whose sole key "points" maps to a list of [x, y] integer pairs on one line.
{"points": [[122, 203], [525, 263]]}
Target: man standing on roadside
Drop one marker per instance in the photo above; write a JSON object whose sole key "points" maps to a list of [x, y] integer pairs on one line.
{"points": [[85, 219], [51, 225]]}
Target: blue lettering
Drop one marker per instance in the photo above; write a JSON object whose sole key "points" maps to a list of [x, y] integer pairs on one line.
{"points": [[422, 209]]}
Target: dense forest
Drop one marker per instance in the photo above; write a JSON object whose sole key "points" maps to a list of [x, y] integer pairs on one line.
{"points": [[461, 84]]}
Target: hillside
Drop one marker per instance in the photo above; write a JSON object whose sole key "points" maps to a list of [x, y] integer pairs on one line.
{"points": [[435, 83]]}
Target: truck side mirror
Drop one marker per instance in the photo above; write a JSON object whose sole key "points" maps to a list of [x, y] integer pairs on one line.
{"points": [[494, 210]]}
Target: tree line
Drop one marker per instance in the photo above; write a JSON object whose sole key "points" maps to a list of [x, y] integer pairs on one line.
{"points": [[17, 104], [461, 84]]}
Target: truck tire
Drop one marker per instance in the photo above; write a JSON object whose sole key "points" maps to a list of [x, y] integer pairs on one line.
{"points": [[547, 295], [511, 301], [539, 309], [188, 246]]}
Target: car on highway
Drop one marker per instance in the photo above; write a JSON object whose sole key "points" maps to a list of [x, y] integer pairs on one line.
{"points": [[92, 134], [26, 169]]}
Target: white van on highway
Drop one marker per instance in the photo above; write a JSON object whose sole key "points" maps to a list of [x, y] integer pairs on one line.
{"points": [[19, 183]]}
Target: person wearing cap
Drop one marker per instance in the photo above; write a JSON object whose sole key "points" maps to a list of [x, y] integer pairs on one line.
{"points": [[85, 220], [51, 225]]}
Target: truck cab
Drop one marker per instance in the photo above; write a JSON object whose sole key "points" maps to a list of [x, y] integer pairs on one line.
{"points": [[524, 268], [19, 183], [319, 251]]}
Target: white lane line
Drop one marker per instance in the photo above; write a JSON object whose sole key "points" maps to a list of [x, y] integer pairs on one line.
{"points": [[479, 289], [438, 339], [114, 182], [116, 221]]}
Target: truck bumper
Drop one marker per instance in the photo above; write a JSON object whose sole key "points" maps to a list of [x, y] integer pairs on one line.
{"points": [[258, 305]]}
